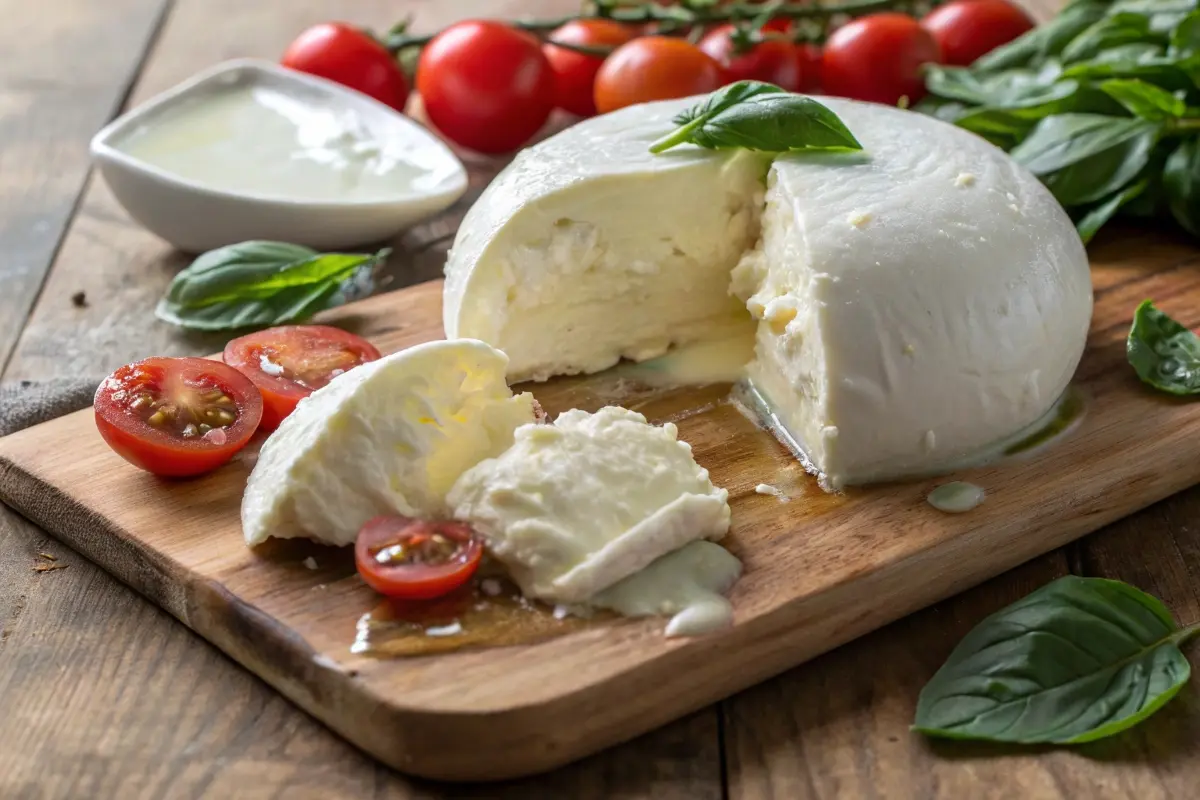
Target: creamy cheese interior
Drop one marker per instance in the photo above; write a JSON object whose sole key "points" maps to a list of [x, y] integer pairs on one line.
{"points": [[915, 303]]}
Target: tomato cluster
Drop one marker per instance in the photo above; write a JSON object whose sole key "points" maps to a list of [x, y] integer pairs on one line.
{"points": [[490, 86]]}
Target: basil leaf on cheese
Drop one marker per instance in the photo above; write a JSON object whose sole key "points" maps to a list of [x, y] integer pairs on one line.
{"points": [[1163, 353], [259, 284], [758, 116], [1075, 661]]}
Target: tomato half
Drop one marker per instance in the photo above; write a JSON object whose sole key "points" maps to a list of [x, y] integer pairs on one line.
{"points": [[968, 29], [878, 58], [655, 68], [350, 57], [485, 85], [177, 417], [773, 61], [291, 362], [413, 559], [575, 72]]}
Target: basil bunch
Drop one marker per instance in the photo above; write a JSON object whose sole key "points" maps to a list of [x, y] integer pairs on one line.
{"points": [[258, 284], [1100, 104]]}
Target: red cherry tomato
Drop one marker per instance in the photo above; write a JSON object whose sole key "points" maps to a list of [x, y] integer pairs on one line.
{"points": [[968, 29], [773, 61], [291, 362], [655, 68], [575, 72], [412, 559], [348, 56], [810, 66], [177, 417], [878, 58], [485, 85], [778, 25]]}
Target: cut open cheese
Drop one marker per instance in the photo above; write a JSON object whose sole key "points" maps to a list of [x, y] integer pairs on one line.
{"points": [[917, 302]]}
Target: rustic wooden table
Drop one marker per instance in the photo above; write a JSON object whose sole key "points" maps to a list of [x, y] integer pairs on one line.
{"points": [[103, 695]]}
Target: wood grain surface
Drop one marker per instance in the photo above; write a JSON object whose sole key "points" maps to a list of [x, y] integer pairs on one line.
{"points": [[104, 695]]}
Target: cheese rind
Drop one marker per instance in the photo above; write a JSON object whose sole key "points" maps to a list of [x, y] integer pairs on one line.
{"points": [[574, 507], [388, 437]]}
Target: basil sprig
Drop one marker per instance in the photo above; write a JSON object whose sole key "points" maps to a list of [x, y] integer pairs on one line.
{"points": [[258, 284], [1163, 353], [1075, 661], [759, 116], [1102, 104]]}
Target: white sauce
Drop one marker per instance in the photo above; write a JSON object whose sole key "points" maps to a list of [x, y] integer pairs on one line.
{"points": [[957, 497], [261, 141], [688, 584]]}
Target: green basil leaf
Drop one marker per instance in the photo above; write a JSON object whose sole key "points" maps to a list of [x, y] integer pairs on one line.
{"points": [[1181, 184], [942, 108], [1109, 32], [1084, 157], [1044, 41], [1185, 38], [1014, 88], [1094, 219], [1163, 353], [1013, 124], [1163, 15], [722, 99], [1145, 100], [264, 283], [1165, 72], [1075, 661]]}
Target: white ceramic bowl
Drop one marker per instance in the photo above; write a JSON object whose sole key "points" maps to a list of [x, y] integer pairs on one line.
{"points": [[196, 218]]}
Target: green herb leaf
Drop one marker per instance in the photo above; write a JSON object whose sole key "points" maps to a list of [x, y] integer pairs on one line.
{"points": [[1084, 157], [1075, 661], [1163, 15], [1137, 63], [1045, 41], [1014, 88], [1163, 353], [1145, 100], [1181, 184], [749, 116], [259, 284], [1185, 38], [1094, 219], [1112, 31]]}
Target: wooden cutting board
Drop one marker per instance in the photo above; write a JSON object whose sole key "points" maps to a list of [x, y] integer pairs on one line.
{"points": [[820, 569]]}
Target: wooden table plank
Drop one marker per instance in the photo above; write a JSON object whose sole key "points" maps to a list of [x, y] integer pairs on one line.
{"points": [[64, 73]]}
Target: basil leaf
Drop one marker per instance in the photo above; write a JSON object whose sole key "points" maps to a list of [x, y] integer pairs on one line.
{"points": [[1105, 34], [1014, 88], [1083, 157], [1145, 100], [722, 99], [769, 121], [1075, 661], [1163, 15], [1163, 353], [1185, 38], [1093, 220], [263, 284], [1045, 41], [1181, 184], [1165, 72]]}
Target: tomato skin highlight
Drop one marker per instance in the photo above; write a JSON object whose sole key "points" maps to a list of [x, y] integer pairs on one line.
{"points": [[655, 68], [290, 349], [161, 452], [416, 581], [965, 30], [574, 72], [878, 58], [485, 85], [345, 55], [772, 61]]}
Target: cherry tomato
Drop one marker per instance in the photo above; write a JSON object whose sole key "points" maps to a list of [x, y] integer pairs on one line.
{"points": [[575, 72], [350, 57], [485, 85], [177, 416], [412, 559], [655, 68], [810, 66], [967, 29], [773, 61], [878, 58], [778, 25], [291, 362]]}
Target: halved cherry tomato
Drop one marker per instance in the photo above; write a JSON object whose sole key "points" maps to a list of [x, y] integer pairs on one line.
{"points": [[655, 68], [968, 29], [346, 55], [413, 559], [878, 58], [485, 85], [177, 417], [291, 362], [773, 61], [575, 72]]}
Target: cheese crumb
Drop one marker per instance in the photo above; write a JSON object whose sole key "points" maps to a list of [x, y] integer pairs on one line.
{"points": [[310, 562], [964, 179], [773, 491], [859, 218], [909, 350]]}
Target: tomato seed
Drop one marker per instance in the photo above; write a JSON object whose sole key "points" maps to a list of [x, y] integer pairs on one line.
{"points": [[158, 419], [190, 430]]}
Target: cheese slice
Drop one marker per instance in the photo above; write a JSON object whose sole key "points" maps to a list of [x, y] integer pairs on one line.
{"points": [[916, 303], [388, 437], [575, 507]]}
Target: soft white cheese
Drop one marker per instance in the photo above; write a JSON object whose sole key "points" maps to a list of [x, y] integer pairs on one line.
{"points": [[917, 302], [574, 507], [388, 437]]}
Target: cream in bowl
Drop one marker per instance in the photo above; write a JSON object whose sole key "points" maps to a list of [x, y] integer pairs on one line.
{"points": [[250, 150]]}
